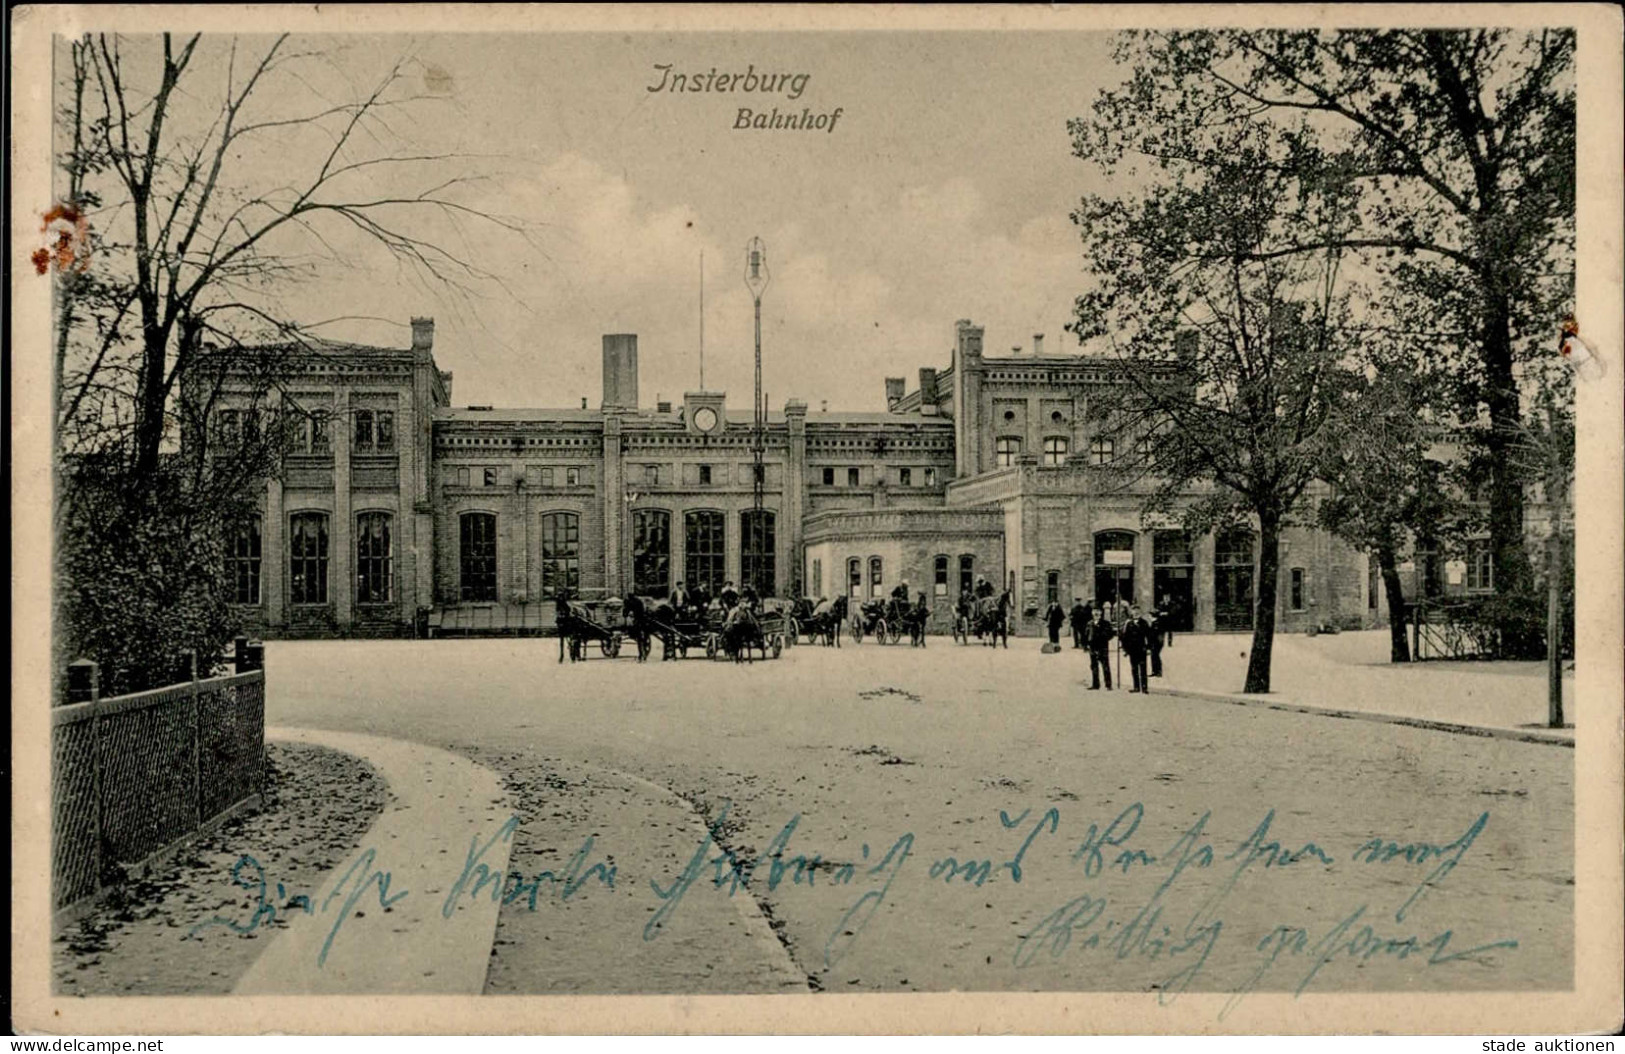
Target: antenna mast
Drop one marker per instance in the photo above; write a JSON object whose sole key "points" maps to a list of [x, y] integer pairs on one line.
{"points": [[756, 279], [702, 320]]}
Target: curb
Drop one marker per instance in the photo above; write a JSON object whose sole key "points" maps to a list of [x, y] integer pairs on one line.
{"points": [[1483, 731]]}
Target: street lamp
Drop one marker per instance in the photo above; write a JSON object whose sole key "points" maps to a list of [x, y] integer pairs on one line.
{"points": [[756, 279]]}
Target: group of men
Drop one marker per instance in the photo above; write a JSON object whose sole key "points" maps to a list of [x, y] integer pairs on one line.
{"points": [[1143, 638], [725, 601]]}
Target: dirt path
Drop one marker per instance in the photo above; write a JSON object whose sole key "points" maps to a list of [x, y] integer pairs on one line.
{"points": [[318, 805]]}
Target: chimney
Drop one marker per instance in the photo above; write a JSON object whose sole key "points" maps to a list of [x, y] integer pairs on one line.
{"points": [[422, 334], [894, 391], [663, 406], [620, 371], [928, 385], [1015, 349], [583, 402], [1038, 344]]}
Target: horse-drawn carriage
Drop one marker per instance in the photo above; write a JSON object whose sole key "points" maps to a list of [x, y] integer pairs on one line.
{"points": [[985, 618], [821, 622], [580, 625], [734, 633], [887, 621], [745, 631]]}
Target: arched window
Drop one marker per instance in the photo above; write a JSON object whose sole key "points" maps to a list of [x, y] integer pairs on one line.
{"points": [[372, 558], [704, 550], [1102, 451], [651, 552], [939, 576], [967, 573], [1055, 449], [876, 577], [854, 577], [307, 548], [757, 566], [561, 552], [243, 562], [477, 556], [1005, 449]]}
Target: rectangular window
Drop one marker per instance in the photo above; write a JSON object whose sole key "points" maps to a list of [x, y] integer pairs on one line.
{"points": [[363, 431], [462, 477], [1052, 587], [572, 477], [561, 552], [939, 577], [372, 558], [243, 563], [930, 477], [704, 550], [758, 549], [1005, 450], [1480, 567], [651, 552], [876, 578], [309, 434], [1055, 449], [705, 475], [818, 578], [851, 477], [967, 573], [829, 477], [651, 475], [1297, 589], [228, 427], [386, 431], [491, 477], [477, 557], [1101, 451], [307, 548], [905, 477], [1146, 451], [854, 577], [547, 477]]}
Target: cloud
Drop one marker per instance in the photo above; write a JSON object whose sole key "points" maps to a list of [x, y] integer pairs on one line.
{"points": [[869, 287]]}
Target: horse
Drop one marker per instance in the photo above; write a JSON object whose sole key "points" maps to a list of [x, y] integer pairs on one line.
{"points": [[739, 633], [993, 619]]}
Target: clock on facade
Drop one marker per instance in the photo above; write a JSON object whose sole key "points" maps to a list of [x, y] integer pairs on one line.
{"points": [[705, 419]]}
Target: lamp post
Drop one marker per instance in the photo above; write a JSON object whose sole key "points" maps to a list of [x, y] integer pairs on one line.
{"points": [[756, 279]]}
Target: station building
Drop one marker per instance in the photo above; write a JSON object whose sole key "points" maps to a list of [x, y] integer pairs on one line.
{"points": [[396, 509]]}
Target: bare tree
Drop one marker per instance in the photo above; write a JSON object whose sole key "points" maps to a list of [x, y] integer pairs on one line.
{"points": [[214, 176]]}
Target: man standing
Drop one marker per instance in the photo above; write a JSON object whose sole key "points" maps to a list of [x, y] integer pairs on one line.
{"points": [[679, 598], [1054, 616], [1159, 620], [1136, 639], [1100, 641], [729, 595], [1080, 623]]}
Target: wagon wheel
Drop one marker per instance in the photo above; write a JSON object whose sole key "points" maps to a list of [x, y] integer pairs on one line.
{"points": [[792, 632], [710, 645], [778, 645], [857, 630], [881, 630]]}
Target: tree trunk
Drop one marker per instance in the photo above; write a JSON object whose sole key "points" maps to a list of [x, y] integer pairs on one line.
{"points": [[1512, 569], [1269, 564], [1399, 649]]}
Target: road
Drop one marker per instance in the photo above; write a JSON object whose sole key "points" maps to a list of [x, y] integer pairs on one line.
{"points": [[1170, 843]]}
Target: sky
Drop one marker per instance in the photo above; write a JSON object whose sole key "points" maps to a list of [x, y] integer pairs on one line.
{"points": [[943, 192]]}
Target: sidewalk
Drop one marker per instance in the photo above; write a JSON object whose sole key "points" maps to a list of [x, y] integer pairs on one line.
{"points": [[388, 943], [1349, 674]]}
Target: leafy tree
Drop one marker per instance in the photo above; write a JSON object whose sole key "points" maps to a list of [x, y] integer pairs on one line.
{"points": [[1232, 356], [1388, 495], [1453, 152]]}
